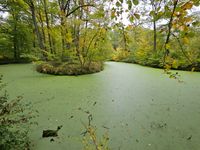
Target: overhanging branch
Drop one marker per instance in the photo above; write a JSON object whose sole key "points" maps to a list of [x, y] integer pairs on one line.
{"points": [[182, 49], [77, 8]]}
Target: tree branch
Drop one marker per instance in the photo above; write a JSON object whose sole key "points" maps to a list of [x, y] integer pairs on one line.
{"points": [[169, 30], [66, 5], [95, 35], [81, 6], [183, 51]]}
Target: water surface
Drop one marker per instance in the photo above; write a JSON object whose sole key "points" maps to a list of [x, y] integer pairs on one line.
{"points": [[142, 108]]}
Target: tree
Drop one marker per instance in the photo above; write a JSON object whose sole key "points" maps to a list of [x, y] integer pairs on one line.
{"points": [[16, 29], [156, 14]]}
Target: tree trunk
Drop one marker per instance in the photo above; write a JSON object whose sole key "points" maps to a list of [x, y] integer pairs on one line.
{"points": [[52, 38], [15, 41], [124, 39], [38, 34], [77, 37], [34, 39], [169, 31], [154, 8], [48, 27], [43, 32], [62, 23], [155, 36]]}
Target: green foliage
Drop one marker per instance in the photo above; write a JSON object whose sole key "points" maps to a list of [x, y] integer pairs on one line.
{"points": [[60, 68], [82, 32], [16, 36], [120, 55], [183, 55], [14, 121], [5, 41], [98, 46]]}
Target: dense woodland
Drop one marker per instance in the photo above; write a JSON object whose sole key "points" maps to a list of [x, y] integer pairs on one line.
{"points": [[156, 33]]}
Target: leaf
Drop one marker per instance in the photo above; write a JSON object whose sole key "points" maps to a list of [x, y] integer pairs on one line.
{"points": [[187, 5], [160, 14], [135, 2], [196, 2], [187, 19], [118, 4], [131, 18], [175, 64], [69, 37], [166, 8], [118, 13], [167, 67], [129, 27], [129, 4], [112, 14], [167, 46], [152, 13], [185, 40], [182, 28], [137, 15], [168, 14], [158, 8], [196, 23], [178, 9]]}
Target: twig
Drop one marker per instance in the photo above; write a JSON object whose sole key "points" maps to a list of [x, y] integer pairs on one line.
{"points": [[75, 9], [179, 42]]}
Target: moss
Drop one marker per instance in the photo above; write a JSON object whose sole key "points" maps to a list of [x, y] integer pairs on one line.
{"points": [[61, 68]]}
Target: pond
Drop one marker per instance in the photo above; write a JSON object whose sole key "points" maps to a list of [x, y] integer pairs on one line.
{"points": [[140, 108]]}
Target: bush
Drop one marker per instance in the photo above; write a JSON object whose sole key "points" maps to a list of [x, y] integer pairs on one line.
{"points": [[14, 122], [120, 54], [58, 68]]}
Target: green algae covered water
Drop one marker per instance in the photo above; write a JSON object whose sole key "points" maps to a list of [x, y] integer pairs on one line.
{"points": [[139, 107]]}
